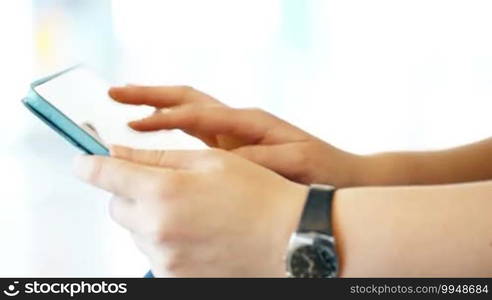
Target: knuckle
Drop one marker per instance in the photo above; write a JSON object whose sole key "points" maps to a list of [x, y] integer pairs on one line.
{"points": [[164, 231], [161, 158], [157, 232], [187, 88], [256, 111], [167, 187], [162, 235]]}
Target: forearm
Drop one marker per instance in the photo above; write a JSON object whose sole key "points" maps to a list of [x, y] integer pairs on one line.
{"points": [[462, 164], [441, 230]]}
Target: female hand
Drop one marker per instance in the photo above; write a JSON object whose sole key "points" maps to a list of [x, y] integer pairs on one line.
{"points": [[252, 133]]}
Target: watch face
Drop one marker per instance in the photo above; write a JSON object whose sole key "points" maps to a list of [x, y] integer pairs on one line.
{"points": [[313, 261]]}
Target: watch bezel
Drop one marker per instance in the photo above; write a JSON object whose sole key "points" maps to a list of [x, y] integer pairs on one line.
{"points": [[301, 239]]}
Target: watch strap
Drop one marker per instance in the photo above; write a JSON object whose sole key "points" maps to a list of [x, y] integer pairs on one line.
{"points": [[317, 210]]}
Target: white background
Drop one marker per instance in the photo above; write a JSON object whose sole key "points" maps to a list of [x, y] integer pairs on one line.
{"points": [[364, 75]]}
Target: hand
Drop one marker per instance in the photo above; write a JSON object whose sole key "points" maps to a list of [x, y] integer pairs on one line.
{"points": [[252, 133], [199, 213]]}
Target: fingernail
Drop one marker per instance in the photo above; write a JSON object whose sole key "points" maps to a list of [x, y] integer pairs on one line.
{"points": [[127, 85], [112, 90], [138, 120]]}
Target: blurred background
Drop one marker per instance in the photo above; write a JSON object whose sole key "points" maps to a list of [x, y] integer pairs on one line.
{"points": [[364, 75]]}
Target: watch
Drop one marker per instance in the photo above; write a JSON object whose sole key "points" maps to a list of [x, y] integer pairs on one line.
{"points": [[311, 252]]}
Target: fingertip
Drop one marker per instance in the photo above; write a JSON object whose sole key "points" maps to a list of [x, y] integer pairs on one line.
{"points": [[143, 125], [121, 93], [114, 91], [134, 125]]}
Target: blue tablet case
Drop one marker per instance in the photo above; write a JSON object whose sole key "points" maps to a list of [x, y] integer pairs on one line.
{"points": [[59, 122]]}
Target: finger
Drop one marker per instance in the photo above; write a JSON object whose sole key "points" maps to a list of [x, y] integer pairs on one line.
{"points": [[175, 159], [123, 211], [159, 96], [249, 125], [121, 177]]}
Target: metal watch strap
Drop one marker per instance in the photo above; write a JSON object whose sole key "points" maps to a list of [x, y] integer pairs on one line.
{"points": [[317, 210]]}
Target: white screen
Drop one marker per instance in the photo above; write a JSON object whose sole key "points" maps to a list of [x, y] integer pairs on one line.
{"points": [[83, 97]]}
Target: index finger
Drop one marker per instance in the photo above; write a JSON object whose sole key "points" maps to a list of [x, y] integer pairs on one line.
{"points": [[159, 96], [120, 177]]}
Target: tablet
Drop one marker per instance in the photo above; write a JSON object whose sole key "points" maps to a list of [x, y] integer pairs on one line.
{"points": [[56, 118]]}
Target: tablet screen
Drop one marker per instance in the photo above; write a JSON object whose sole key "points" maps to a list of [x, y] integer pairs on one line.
{"points": [[83, 97]]}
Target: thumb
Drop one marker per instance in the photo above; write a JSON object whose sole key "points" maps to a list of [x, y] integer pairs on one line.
{"points": [[175, 159]]}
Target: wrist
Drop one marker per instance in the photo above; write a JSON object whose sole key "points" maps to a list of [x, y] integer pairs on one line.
{"points": [[340, 168], [354, 170], [385, 169]]}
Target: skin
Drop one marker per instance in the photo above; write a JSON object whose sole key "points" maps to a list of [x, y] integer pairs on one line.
{"points": [[193, 214], [260, 137], [415, 231], [208, 213]]}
